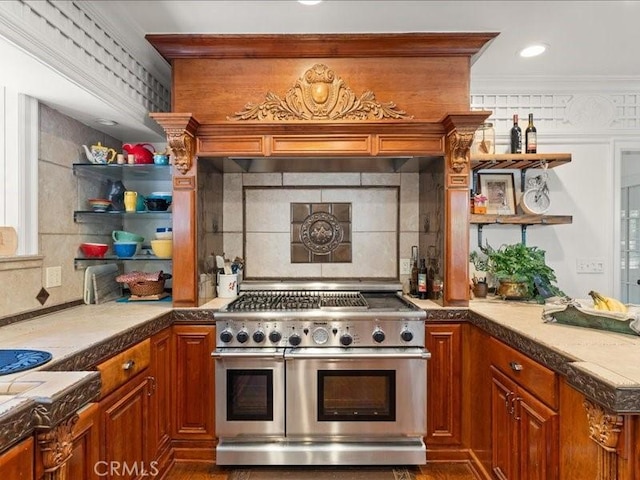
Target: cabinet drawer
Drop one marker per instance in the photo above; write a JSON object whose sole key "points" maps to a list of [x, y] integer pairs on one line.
{"points": [[121, 367], [537, 379]]}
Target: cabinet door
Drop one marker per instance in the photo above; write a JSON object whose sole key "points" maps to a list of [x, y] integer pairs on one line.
{"points": [[444, 341], [17, 462], [538, 438], [503, 431], [194, 383], [160, 398], [124, 427], [86, 444]]}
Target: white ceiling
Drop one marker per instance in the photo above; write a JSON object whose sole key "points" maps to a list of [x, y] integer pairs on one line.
{"points": [[587, 39]]}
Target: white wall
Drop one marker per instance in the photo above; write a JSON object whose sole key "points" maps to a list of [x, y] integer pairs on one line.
{"points": [[586, 120]]}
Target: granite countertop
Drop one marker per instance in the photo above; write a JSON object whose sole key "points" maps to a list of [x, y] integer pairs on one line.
{"points": [[600, 364]]}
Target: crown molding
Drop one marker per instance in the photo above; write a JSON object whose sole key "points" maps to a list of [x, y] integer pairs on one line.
{"points": [[519, 84]]}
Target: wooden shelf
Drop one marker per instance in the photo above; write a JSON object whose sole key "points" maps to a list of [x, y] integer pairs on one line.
{"points": [[518, 161], [521, 219]]}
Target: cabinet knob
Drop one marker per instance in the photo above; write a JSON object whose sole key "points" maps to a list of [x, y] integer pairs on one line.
{"points": [[515, 366], [128, 365]]}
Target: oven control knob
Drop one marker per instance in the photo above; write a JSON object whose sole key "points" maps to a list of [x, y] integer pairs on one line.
{"points": [[258, 336], [406, 335], [242, 336], [226, 336], [346, 339], [378, 336], [275, 336], [294, 339]]}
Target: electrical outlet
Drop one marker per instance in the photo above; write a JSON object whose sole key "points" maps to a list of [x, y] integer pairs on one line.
{"points": [[53, 277], [589, 265], [405, 266]]}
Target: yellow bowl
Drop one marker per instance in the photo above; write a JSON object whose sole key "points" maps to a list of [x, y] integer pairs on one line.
{"points": [[162, 248]]}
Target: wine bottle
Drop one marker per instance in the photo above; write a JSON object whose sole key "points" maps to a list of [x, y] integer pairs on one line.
{"points": [[422, 280], [531, 136], [516, 136]]}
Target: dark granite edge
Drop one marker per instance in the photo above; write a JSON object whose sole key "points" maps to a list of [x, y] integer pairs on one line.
{"points": [[615, 399], [16, 424], [193, 315], [31, 314]]}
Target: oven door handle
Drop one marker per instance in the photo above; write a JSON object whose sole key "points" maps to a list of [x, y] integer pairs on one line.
{"points": [[424, 355], [245, 354]]}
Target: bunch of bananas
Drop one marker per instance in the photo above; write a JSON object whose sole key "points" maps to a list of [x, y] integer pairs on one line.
{"points": [[607, 303]]}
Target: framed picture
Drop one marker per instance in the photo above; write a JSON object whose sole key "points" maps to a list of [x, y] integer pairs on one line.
{"points": [[500, 192]]}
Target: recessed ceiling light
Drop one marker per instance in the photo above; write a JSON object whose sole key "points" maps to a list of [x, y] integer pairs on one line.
{"points": [[106, 121], [533, 50], [309, 2]]}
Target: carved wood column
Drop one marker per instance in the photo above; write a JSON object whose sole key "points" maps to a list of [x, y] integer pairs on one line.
{"points": [[181, 129], [459, 130], [55, 447], [604, 429]]}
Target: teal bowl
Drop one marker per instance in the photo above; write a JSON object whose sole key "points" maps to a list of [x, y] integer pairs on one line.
{"points": [[122, 236]]}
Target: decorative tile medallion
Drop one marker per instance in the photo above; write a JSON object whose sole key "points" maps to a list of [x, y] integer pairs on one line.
{"points": [[320, 233]]}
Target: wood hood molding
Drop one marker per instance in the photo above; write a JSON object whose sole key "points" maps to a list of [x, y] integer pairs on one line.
{"points": [[320, 94], [418, 44]]}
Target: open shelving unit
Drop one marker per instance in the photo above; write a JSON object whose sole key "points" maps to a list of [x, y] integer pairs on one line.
{"points": [[521, 162]]}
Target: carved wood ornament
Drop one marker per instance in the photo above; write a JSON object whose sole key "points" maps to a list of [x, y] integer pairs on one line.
{"points": [[320, 95], [181, 132], [56, 446], [460, 142], [604, 429]]}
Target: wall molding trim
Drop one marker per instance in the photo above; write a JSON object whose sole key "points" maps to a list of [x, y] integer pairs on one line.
{"points": [[74, 40]]}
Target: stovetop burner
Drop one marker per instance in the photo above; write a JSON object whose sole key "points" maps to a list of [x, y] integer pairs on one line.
{"points": [[265, 301]]}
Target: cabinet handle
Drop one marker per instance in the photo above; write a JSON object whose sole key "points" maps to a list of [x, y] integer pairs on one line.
{"points": [[512, 407], [152, 386], [516, 399], [128, 365], [515, 366], [506, 400]]}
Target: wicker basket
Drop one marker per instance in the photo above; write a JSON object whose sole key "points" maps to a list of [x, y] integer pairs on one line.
{"points": [[144, 288]]}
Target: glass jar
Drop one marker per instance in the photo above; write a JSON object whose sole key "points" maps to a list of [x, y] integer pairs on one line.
{"points": [[484, 140]]}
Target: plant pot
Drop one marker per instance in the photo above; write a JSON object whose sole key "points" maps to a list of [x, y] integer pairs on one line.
{"points": [[510, 290], [480, 290]]}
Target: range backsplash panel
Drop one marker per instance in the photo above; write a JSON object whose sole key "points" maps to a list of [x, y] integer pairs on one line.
{"points": [[321, 233]]}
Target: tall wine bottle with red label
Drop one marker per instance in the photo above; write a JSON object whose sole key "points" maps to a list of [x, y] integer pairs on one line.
{"points": [[531, 136]]}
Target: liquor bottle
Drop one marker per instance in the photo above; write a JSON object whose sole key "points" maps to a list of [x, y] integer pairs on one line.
{"points": [[516, 136], [414, 278], [531, 136], [422, 280]]}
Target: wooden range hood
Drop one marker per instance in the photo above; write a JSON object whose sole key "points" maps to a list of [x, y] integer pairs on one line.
{"points": [[336, 102]]}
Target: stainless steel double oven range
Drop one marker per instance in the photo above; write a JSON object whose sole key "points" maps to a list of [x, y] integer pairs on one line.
{"points": [[319, 373]]}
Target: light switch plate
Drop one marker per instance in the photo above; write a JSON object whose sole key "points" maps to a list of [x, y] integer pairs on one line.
{"points": [[590, 265], [405, 266]]}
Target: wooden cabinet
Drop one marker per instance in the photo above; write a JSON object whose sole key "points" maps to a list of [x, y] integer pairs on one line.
{"points": [[444, 341], [86, 445], [524, 416], [160, 399], [135, 410], [17, 462], [193, 428]]}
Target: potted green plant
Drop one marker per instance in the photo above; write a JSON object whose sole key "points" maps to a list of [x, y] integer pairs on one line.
{"points": [[521, 271]]}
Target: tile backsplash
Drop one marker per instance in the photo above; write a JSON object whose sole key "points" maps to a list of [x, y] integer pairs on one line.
{"points": [[384, 223]]}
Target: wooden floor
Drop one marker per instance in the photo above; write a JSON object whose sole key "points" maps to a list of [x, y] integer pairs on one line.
{"points": [[433, 471]]}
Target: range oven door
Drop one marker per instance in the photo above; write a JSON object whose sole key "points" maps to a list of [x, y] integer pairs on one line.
{"points": [[356, 393], [249, 393]]}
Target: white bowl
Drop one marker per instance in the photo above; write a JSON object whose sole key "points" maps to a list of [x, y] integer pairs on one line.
{"points": [[164, 235]]}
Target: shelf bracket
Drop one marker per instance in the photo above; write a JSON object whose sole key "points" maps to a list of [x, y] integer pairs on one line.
{"points": [[480, 225], [523, 232]]}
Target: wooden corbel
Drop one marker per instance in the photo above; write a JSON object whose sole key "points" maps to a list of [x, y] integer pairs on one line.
{"points": [[181, 129], [604, 429], [56, 446]]}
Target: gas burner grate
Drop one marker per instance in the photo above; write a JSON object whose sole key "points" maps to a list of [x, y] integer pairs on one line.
{"points": [[261, 301]]}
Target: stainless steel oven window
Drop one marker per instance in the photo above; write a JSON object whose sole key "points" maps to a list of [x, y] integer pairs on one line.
{"points": [[356, 395], [250, 395]]}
